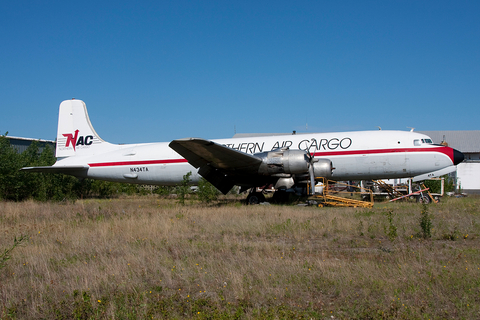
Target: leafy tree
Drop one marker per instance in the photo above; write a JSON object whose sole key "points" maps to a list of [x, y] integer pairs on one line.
{"points": [[436, 185], [18, 185], [32, 185], [9, 165], [184, 188], [206, 192]]}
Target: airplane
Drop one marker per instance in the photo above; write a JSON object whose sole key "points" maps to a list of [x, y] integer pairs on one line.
{"points": [[288, 162]]}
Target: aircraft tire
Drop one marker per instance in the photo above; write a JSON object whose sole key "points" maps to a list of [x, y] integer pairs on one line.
{"points": [[255, 198], [424, 199]]}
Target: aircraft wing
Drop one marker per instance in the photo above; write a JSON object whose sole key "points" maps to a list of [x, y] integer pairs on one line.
{"points": [[77, 171], [218, 164], [200, 152]]}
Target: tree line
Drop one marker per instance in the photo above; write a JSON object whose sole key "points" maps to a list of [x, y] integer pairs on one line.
{"points": [[17, 185]]}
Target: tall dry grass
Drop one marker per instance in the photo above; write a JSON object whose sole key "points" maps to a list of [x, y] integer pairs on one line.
{"points": [[310, 261]]}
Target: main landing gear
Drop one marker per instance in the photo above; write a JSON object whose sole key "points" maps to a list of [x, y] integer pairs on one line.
{"points": [[255, 197], [280, 196]]}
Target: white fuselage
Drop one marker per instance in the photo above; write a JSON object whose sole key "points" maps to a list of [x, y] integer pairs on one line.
{"points": [[357, 155]]}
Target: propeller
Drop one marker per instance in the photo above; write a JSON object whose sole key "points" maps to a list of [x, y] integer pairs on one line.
{"points": [[311, 161]]}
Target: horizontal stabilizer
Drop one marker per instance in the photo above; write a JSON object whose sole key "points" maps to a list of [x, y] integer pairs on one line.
{"points": [[434, 174], [77, 171]]}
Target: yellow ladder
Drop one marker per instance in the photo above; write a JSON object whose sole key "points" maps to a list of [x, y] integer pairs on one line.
{"points": [[327, 199], [392, 192]]}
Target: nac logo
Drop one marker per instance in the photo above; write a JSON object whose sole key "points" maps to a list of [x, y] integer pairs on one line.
{"points": [[75, 140]]}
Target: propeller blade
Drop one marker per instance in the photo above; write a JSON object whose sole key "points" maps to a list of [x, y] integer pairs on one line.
{"points": [[312, 178]]}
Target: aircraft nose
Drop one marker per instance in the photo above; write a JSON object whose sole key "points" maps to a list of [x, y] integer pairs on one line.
{"points": [[457, 157]]}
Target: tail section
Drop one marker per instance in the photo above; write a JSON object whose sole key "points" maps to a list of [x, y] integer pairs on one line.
{"points": [[75, 133]]}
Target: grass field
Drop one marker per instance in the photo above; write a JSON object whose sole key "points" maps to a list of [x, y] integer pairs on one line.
{"points": [[149, 257]]}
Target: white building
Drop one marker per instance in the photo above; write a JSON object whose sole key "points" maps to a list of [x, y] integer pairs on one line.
{"points": [[467, 142]]}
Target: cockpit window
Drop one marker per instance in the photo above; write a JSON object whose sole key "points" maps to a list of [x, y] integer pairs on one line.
{"points": [[418, 142]]}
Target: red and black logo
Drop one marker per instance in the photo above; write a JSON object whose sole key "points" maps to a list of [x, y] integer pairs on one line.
{"points": [[75, 140]]}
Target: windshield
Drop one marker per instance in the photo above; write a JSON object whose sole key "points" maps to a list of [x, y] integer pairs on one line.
{"points": [[418, 142]]}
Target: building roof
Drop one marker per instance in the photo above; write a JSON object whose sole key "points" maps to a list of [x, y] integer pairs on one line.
{"points": [[464, 141], [21, 144], [467, 141], [248, 135], [29, 139]]}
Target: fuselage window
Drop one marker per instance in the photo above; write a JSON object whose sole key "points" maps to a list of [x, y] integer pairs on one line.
{"points": [[416, 142]]}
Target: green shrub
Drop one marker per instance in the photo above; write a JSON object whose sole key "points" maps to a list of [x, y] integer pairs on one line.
{"points": [[5, 256], [206, 192], [391, 229], [425, 223], [184, 188], [436, 185]]}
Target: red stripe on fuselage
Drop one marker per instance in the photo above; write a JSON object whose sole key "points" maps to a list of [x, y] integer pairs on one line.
{"points": [[136, 163], [445, 150]]}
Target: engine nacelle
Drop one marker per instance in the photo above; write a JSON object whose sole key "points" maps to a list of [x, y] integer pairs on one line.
{"points": [[323, 168], [292, 162], [283, 161]]}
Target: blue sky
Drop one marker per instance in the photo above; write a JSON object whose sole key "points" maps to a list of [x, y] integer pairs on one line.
{"points": [[160, 70]]}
